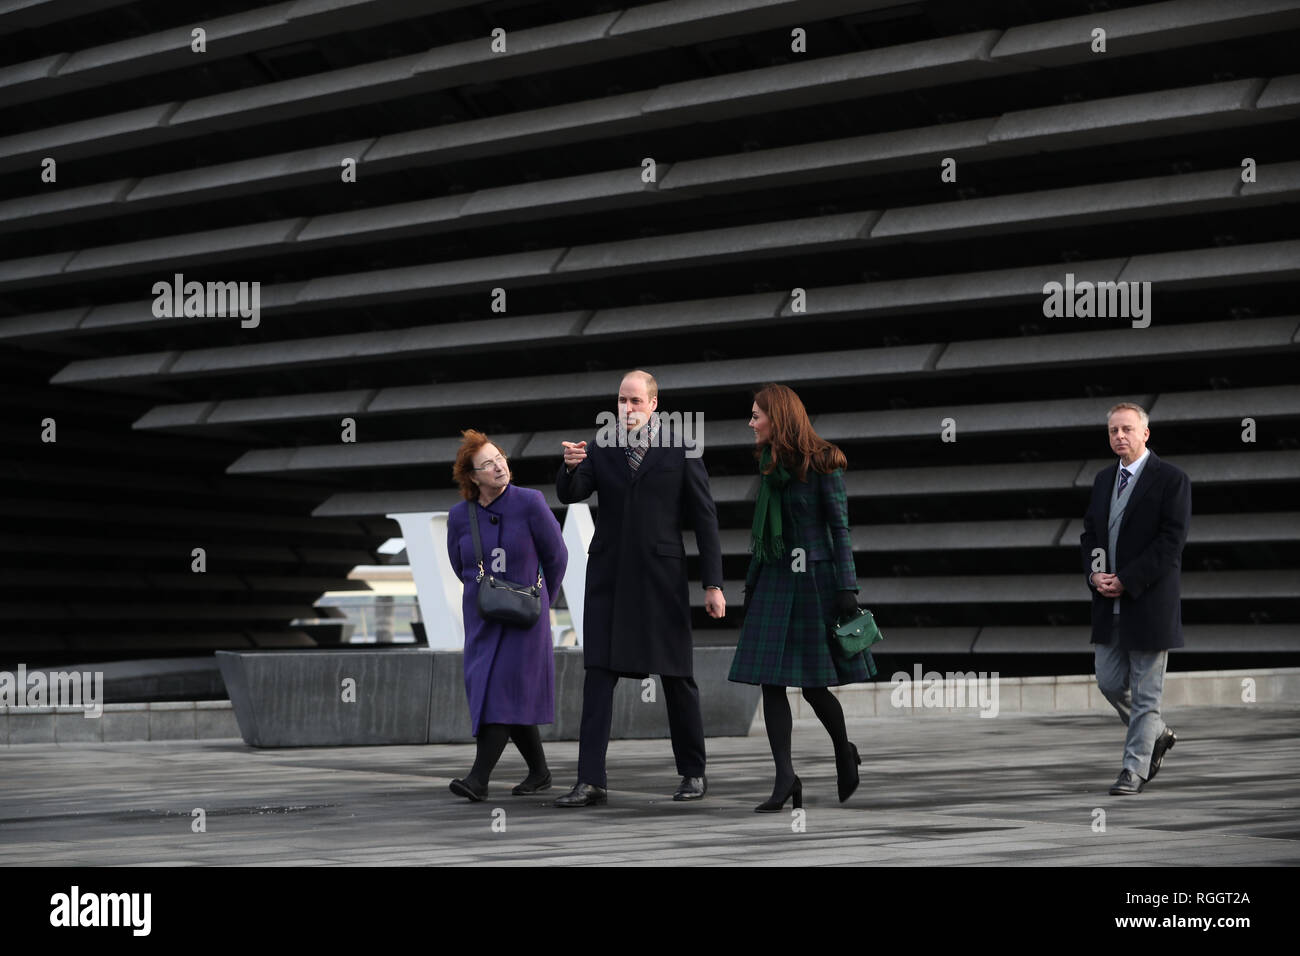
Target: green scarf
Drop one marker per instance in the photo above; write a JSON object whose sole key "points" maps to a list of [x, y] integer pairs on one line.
{"points": [[765, 536]]}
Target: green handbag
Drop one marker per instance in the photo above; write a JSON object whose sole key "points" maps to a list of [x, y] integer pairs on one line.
{"points": [[855, 634]]}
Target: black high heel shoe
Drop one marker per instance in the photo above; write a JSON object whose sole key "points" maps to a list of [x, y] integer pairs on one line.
{"points": [[846, 783], [773, 805]]}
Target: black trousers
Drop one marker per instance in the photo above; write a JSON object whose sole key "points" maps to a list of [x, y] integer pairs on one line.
{"points": [[685, 724]]}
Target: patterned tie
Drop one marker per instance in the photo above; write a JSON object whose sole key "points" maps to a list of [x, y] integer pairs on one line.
{"points": [[1124, 476]]}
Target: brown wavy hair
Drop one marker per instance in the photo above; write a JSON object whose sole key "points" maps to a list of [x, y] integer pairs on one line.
{"points": [[794, 443], [471, 442]]}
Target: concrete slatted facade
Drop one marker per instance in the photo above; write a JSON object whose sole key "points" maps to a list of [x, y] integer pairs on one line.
{"points": [[524, 170]]}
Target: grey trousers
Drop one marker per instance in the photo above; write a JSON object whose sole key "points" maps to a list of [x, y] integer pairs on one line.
{"points": [[1133, 682]]}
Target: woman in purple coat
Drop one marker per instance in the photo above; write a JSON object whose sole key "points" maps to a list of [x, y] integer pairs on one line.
{"points": [[509, 671]]}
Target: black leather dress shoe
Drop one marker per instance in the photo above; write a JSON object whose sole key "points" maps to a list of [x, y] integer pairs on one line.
{"points": [[533, 784], [584, 795], [1127, 783], [469, 790], [692, 788], [1164, 742]]}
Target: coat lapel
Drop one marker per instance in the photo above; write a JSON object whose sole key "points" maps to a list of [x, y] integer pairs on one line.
{"points": [[618, 462], [1110, 494], [654, 455]]}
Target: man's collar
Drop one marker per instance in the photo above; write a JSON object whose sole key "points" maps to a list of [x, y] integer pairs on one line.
{"points": [[1138, 462]]}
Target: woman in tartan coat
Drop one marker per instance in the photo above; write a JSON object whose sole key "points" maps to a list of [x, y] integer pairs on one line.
{"points": [[793, 597]]}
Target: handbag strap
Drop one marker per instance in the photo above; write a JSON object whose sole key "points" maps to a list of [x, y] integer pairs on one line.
{"points": [[478, 545]]}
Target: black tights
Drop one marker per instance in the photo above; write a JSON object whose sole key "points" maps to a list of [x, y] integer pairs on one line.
{"points": [[776, 717], [491, 741]]}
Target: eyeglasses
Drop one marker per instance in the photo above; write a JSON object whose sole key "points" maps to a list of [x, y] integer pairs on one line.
{"points": [[498, 460]]}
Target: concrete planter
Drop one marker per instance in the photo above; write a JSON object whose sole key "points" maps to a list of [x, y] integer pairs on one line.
{"points": [[417, 695]]}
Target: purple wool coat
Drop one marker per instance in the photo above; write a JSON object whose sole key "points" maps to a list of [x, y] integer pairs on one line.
{"points": [[509, 672]]}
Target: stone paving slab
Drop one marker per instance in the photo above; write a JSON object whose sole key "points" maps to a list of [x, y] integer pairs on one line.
{"points": [[1020, 790]]}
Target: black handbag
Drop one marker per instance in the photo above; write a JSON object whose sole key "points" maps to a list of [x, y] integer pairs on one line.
{"points": [[518, 605]]}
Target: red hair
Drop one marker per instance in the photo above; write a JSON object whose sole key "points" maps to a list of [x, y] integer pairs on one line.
{"points": [[471, 442]]}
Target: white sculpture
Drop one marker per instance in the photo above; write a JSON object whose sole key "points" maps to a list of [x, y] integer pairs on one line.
{"points": [[439, 591]]}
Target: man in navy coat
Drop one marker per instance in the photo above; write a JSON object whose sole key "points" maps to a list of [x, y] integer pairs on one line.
{"points": [[637, 617], [1132, 543]]}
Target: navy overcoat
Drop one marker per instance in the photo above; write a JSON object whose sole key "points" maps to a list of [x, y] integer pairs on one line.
{"points": [[1148, 555], [637, 617]]}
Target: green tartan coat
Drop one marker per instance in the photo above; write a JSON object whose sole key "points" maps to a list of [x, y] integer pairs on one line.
{"points": [[785, 639]]}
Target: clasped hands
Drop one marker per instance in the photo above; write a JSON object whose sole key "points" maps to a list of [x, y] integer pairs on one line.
{"points": [[1107, 585]]}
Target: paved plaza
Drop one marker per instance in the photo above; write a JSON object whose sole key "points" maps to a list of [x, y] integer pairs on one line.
{"points": [[1020, 789]]}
